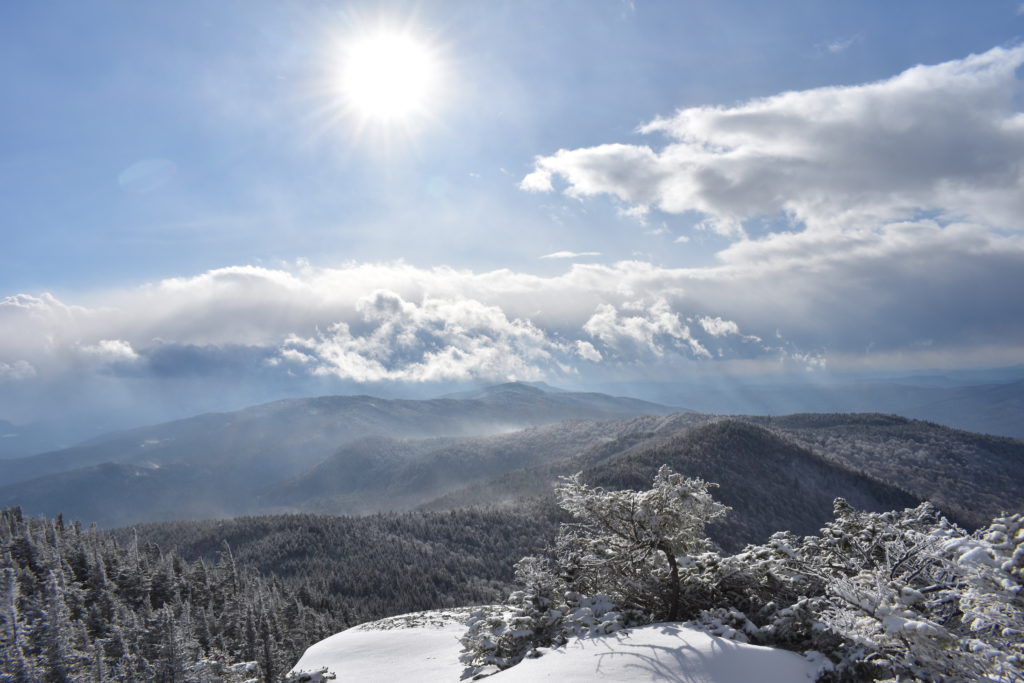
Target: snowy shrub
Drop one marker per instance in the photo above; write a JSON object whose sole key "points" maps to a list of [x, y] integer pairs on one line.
{"points": [[914, 597], [991, 566], [902, 595], [318, 676], [618, 565], [545, 614], [632, 545], [216, 670]]}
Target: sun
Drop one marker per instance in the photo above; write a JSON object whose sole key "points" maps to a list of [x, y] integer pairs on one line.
{"points": [[389, 77]]}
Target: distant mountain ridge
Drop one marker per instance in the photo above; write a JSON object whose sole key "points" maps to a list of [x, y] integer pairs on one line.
{"points": [[770, 482], [247, 450], [292, 434], [971, 477], [994, 408], [504, 444]]}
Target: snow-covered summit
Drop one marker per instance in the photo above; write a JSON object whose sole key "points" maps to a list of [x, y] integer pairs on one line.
{"points": [[424, 647]]}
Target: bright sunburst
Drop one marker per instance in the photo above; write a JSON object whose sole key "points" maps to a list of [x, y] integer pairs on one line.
{"points": [[389, 77]]}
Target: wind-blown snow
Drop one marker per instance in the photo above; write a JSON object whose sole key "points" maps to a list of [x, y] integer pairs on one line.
{"points": [[427, 650]]}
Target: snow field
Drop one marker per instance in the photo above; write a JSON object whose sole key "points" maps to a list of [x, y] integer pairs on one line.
{"points": [[426, 648]]}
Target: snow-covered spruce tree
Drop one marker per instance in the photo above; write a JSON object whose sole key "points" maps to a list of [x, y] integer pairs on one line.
{"points": [[901, 594], [921, 596], [896, 596], [617, 565], [991, 598], [629, 544]]}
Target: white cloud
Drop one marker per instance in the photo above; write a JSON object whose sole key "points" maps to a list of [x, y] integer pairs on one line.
{"points": [[652, 328], [945, 139], [570, 254], [110, 351], [717, 327], [587, 351], [889, 288], [436, 340], [17, 370], [638, 212], [538, 181], [842, 44]]}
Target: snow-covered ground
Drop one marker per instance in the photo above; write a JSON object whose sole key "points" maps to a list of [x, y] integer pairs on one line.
{"points": [[381, 651], [425, 647]]}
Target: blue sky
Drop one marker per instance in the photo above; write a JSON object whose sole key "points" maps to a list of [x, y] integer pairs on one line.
{"points": [[181, 180]]}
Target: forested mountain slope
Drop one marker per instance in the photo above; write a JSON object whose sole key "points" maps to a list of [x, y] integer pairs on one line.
{"points": [[298, 457], [971, 477], [168, 471], [769, 482], [271, 441], [364, 568], [187, 601], [380, 473], [80, 606], [783, 472]]}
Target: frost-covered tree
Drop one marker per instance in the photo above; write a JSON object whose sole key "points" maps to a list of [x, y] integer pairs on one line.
{"points": [[629, 544], [77, 606], [990, 566], [924, 598], [617, 565], [902, 595]]}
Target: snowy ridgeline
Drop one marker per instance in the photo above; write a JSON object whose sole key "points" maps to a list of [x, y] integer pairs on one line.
{"points": [[424, 647]]}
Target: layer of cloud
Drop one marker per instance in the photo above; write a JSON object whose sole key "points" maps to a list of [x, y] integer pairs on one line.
{"points": [[570, 254], [944, 139], [900, 246], [903, 289]]}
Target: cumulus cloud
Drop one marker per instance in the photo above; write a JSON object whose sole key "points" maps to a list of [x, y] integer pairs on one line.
{"points": [[436, 340], [652, 328], [717, 327], [945, 139], [587, 351]]}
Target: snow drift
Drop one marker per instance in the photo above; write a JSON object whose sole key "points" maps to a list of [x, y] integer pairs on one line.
{"points": [[425, 647]]}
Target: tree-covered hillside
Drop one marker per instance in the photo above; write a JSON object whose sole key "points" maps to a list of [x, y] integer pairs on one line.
{"points": [[80, 605], [971, 477], [365, 568], [238, 599]]}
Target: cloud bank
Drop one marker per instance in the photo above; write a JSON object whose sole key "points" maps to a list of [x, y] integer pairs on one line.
{"points": [[894, 241], [917, 292], [945, 140]]}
